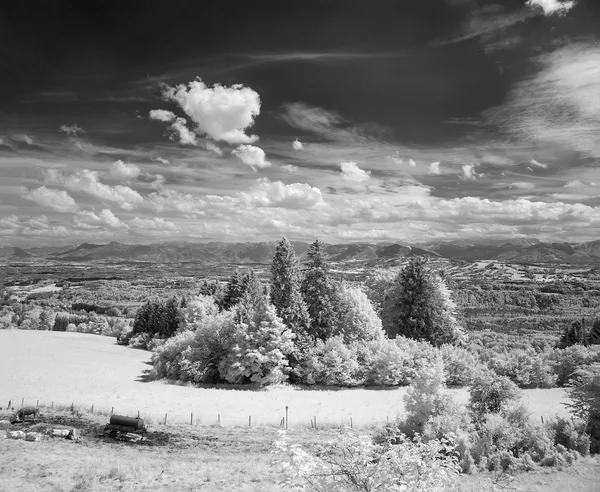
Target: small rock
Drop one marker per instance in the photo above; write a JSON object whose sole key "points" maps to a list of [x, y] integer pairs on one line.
{"points": [[15, 435]]}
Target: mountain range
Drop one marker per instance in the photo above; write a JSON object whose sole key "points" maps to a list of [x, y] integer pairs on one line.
{"points": [[518, 251]]}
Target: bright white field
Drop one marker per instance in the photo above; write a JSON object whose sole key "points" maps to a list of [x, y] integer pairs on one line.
{"points": [[92, 370]]}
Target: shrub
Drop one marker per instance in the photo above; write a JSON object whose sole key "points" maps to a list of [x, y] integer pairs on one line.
{"points": [[330, 363], [567, 361], [258, 350], [460, 364], [490, 393], [426, 399], [585, 395], [571, 435], [355, 463]]}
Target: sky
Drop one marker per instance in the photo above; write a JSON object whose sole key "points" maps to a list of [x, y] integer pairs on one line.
{"points": [[348, 121]]}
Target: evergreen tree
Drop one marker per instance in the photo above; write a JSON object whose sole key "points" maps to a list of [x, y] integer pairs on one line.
{"points": [[318, 292], [170, 321], [421, 307], [572, 335], [286, 283], [253, 297], [142, 317], [233, 291]]}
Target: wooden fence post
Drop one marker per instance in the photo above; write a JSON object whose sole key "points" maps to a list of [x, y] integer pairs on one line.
{"points": [[165, 419], [219, 420], [192, 418], [249, 420], [286, 417]]}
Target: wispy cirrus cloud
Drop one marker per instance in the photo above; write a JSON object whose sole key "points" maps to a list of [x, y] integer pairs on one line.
{"points": [[560, 103]]}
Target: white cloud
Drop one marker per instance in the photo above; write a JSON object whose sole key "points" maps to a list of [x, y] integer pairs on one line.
{"points": [[252, 156], [412, 163], [38, 226], [208, 145], [297, 145], [90, 220], [162, 115], [58, 200], [560, 104], [434, 168], [312, 119], [351, 172], [120, 170], [182, 132], [533, 162], [28, 140], [223, 113], [87, 181], [575, 184], [169, 199], [469, 172], [161, 160], [522, 185], [290, 169], [552, 6], [154, 226], [277, 194], [71, 130]]}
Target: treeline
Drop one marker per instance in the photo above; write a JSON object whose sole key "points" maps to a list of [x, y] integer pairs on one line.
{"points": [[303, 326]]}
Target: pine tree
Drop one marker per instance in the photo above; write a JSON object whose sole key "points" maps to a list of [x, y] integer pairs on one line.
{"points": [[253, 297], [318, 292], [422, 307], [170, 321], [286, 283], [141, 320], [233, 291]]}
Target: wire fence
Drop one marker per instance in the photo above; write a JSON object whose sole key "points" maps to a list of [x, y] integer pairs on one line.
{"points": [[284, 419]]}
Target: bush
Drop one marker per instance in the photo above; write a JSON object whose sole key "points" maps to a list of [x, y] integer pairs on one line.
{"points": [[330, 363], [358, 319], [258, 351], [490, 393], [571, 435], [195, 356], [355, 463], [460, 364]]}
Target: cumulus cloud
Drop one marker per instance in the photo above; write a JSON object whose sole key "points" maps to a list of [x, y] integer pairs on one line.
{"points": [[469, 173], [27, 139], [87, 181], [552, 6], [120, 170], [351, 172], [412, 163], [533, 162], [90, 220], [71, 130], [161, 160], [58, 200], [182, 133], [173, 200], [297, 145], [252, 156], [220, 112], [277, 194], [38, 226], [434, 168], [162, 115], [154, 226], [290, 168]]}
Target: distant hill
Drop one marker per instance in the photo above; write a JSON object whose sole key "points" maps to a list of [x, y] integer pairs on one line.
{"points": [[517, 251]]}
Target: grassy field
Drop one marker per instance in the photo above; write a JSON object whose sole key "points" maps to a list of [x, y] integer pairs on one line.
{"points": [[207, 458], [91, 370], [87, 369]]}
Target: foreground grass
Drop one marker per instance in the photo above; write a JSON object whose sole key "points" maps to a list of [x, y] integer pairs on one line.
{"points": [[207, 458]]}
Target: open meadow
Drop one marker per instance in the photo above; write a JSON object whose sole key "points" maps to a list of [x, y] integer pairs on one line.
{"points": [[88, 370], [85, 370]]}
